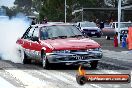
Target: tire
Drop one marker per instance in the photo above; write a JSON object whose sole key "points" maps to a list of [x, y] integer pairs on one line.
{"points": [[107, 37], [94, 64], [45, 62], [98, 36], [24, 59]]}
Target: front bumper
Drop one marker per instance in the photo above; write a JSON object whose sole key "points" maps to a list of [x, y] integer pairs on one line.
{"points": [[75, 57]]}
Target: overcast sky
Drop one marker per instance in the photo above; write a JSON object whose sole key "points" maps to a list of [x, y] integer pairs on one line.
{"points": [[8, 3]]}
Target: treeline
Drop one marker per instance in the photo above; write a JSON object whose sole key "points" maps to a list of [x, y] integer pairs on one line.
{"points": [[54, 9]]}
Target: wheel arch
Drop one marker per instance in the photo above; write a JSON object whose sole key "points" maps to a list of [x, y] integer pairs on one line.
{"points": [[43, 51]]}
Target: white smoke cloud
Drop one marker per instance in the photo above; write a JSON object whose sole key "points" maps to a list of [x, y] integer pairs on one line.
{"points": [[10, 31]]}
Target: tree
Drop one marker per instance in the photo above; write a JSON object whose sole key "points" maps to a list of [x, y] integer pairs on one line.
{"points": [[9, 11], [52, 9], [37, 5], [24, 6]]}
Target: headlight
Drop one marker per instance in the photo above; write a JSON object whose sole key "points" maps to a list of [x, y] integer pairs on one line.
{"points": [[96, 49], [62, 51]]}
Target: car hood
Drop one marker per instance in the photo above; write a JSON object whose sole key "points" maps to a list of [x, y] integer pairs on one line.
{"points": [[72, 43]]}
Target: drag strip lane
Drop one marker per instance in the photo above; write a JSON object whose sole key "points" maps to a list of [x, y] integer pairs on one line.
{"points": [[28, 80], [5, 84], [34, 76]]}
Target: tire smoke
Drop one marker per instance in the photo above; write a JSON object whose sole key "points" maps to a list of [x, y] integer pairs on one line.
{"points": [[10, 31]]}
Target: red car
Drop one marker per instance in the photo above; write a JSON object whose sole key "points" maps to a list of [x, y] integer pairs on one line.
{"points": [[58, 43]]}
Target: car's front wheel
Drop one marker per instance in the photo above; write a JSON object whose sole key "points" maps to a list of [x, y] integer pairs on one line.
{"points": [[94, 64], [45, 62]]}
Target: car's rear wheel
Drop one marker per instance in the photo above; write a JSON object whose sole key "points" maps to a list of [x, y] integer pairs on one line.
{"points": [[45, 62], [108, 37], [24, 59], [94, 64], [98, 36]]}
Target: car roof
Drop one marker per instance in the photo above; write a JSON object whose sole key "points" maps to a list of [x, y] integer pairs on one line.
{"points": [[50, 24]]}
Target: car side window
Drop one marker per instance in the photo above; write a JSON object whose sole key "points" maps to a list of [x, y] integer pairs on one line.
{"points": [[36, 32], [29, 34], [43, 33]]}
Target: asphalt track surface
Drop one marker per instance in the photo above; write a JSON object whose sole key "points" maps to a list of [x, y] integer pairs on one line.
{"points": [[14, 75]]}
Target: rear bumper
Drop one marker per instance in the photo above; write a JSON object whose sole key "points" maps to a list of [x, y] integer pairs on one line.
{"points": [[76, 57], [92, 33]]}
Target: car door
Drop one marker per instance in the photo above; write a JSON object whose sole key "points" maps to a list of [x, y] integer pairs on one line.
{"points": [[27, 41], [35, 45]]}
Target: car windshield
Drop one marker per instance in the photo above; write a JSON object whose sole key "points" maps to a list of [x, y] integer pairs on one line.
{"points": [[53, 32], [107, 26], [88, 24], [123, 25]]}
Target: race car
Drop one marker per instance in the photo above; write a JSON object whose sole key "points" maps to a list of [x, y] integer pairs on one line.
{"points": [[58, 43]]}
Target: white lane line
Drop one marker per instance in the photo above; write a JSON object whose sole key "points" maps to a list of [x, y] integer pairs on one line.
{"points": [[28, 80], [38, 72], [70, 79], [95, 86], [5, 84], [55, 76], [110, 72]]}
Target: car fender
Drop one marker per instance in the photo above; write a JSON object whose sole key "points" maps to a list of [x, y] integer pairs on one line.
{"points": [[43, 48], [19, 47]]}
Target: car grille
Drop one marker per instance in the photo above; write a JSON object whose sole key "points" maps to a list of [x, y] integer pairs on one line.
{"points": [[76, 57], [78, 51], [81, 57]]}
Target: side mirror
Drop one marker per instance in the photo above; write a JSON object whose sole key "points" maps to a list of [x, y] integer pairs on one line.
{"points": [[35, 39]]}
